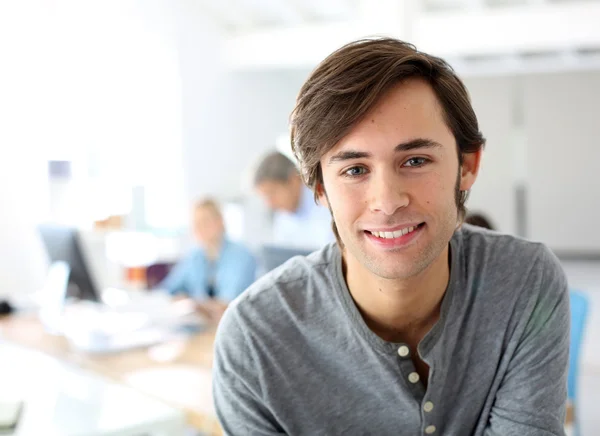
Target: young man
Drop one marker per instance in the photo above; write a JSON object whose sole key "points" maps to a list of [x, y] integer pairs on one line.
{"points": [[298, 222], [215, 272], [410, 324]]}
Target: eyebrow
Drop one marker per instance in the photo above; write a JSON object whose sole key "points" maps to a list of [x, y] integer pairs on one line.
{"points": [[413, 144]]}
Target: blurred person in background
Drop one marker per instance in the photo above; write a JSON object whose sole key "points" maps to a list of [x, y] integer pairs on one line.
{"points": [[298, 220], [217, 270], [479, 220], [411, 324]]}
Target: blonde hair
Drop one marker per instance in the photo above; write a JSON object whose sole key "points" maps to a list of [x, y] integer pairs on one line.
{"points": [[210, 204]]}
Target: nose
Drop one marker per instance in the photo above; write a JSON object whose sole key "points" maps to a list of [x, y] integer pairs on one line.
{"points": [[388, 193]]}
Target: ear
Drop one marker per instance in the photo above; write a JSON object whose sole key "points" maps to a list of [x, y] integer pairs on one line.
{"points": [[321, 195], [470, 169]]}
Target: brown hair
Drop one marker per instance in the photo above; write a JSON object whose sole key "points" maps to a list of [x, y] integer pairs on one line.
{"points": [[274, 167], [479, 220], [348, 84]]}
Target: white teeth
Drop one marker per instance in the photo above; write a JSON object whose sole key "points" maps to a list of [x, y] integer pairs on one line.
{"points": [[396, 234]]}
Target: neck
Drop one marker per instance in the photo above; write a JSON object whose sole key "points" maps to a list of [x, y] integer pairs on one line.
{"points": [[213, 249], [399, 310]]}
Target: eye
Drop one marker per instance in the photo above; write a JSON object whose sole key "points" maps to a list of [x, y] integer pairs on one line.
{"points": [[415, 162], [355, 171]]}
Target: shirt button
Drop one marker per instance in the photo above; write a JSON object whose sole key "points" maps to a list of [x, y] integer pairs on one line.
{"points": [[413, 377], [430, 429], [403, 351], [428, 406]]}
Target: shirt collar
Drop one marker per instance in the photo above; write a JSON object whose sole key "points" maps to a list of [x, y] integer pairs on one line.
{"points": [[431, 338]]}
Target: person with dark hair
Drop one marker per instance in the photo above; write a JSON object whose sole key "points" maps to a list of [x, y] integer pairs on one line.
{"points": [[410, 323], [217, 270], [298, 220], [479, 220]]}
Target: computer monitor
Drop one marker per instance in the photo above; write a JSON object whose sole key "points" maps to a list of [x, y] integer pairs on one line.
{"points": [[63, 244], [272, 256]]}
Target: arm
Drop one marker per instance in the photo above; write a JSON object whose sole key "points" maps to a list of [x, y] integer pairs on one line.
{"points": [[236, 387], [532, 396], [175, 282]]}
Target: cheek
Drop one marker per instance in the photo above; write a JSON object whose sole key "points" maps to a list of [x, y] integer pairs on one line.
{"points": [[347, 202], [436, 191], [279, 197]]}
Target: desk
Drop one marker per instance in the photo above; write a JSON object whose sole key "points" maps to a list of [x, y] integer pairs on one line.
{"points": [[184, 382], [63, 400]]}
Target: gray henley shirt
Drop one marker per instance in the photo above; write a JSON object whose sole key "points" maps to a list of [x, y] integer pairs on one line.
{"points": [[294, 356]]}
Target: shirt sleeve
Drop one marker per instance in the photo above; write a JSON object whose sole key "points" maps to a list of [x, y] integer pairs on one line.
{"points": [[236, 390], [176, 280], [531, 399]]}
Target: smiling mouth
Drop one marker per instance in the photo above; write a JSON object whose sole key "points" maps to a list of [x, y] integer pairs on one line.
{"points": [[395, 234]]}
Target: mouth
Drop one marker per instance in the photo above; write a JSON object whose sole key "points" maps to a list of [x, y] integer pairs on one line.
{"points": [[396, 233], [394, 237]]}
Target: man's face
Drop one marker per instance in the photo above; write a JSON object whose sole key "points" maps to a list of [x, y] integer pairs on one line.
{"points": [[208, 226], [391, 184], [280, 195]]}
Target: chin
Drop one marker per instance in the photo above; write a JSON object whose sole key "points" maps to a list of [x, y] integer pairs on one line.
{"points": [[398, 265], [393, 272]]}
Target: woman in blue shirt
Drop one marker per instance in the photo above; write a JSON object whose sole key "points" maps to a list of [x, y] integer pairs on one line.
{"points": [[218, 270]]}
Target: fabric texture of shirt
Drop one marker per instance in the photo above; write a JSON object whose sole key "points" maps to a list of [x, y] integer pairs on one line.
{"points": [[309, 227], [294, 356], [229, 275]]}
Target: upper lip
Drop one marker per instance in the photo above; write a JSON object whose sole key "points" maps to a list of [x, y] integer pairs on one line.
{"points": [[392, 229]]}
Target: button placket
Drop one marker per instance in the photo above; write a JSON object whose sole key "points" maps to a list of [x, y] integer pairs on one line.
{"points": [[408, 371]]}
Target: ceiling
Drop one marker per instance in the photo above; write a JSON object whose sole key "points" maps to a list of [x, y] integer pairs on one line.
{"points": [[240, 16], [298, 33]]}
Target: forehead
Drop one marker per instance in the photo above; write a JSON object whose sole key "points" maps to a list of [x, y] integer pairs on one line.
{"points": [[409, 110], [205, 212]]}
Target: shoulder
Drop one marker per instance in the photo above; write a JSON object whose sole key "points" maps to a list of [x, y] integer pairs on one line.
{"points": [[282, 298], [239, 250], [509, 261], [191, 257], [478, 245]]}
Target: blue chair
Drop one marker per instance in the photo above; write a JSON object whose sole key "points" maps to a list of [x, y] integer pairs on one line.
{"points": [[579, 311]]}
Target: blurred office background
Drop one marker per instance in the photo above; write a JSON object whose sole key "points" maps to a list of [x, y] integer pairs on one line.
{"points": [[117, 115]]}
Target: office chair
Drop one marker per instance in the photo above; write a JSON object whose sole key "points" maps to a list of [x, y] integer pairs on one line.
{"points": [[156, 273], [579, 312]]}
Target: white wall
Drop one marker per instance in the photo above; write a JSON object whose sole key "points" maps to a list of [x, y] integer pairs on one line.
{"points": [[231, 125], [23, 188], [563, 136], [22, 200], [494, 190], [92, 82], [230, 120]]}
